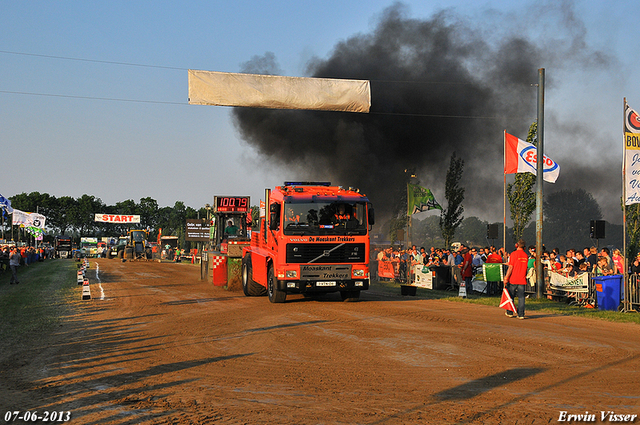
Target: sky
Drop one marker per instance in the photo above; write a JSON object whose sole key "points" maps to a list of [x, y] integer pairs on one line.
{"points": [[94, 95]]}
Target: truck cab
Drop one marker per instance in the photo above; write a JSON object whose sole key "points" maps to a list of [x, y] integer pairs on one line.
{"points": [[314, 238]]}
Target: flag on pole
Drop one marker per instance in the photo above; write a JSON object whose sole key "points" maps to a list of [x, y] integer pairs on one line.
{"points": [[420, 199], [506, 301], [25, 219], [5, 204], [35, 231], [521, 157], [631, 155]]}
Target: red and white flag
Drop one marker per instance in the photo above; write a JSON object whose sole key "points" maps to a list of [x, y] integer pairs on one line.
{"points": [[506, 301], [522, 157]]}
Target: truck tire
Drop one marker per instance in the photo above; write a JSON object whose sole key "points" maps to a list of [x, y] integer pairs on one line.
{"points": [[245, 277], [350, 296], [249, 286], [275, 295]]}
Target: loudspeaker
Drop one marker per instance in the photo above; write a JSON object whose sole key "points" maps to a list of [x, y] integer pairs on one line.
{"points": [[596, 229], [492, 231]]}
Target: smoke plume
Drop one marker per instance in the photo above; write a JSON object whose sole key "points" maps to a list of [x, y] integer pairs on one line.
{"points": [[441, 85]]}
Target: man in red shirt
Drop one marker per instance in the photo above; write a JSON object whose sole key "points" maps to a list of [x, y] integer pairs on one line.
{"points": [[516, 277], [494, 257], [466, 268]]}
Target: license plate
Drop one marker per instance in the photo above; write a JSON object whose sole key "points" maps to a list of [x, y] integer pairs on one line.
{"points": [[326, 283]]}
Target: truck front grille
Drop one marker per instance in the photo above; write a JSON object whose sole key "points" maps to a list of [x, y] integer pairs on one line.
{"points": [[325, 253]]}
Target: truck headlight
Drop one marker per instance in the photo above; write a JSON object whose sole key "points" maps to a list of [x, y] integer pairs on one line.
{"points": [[292, 274], [358, 273]]}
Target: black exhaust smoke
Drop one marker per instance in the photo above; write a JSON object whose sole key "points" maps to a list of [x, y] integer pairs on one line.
{"points": [[438, 86]]}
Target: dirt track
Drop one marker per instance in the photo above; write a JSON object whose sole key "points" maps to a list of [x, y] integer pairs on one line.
{"points": [[164, 347]]}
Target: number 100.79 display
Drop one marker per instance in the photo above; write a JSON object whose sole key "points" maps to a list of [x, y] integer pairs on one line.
{"points": [[231, 203]]}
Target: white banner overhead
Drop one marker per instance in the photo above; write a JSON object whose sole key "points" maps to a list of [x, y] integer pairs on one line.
{"points": [[276, 92], [117, 218]]}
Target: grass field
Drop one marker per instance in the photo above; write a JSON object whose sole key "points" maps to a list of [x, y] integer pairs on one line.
{"points": [[532, 304], [38, 303]]}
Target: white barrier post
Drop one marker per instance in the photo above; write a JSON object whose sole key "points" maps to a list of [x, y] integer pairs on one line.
{"points": [[86, 292]]}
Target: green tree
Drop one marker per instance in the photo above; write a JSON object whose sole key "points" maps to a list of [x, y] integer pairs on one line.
{"points": [[522, 200], [34, 202], [255, 217], [148, 208], [567, 216], [473, 231], [451, 217], [128, 207], [84, 215], [426, 232], [64, 213], [633, 230], [396, 225]]}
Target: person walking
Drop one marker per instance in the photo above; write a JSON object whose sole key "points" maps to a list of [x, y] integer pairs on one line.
{"points": [[466, 269], [14, 263], [516, 277]]}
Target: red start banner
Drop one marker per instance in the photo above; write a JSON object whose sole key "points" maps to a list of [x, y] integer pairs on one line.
{"points": [[117, 218]]}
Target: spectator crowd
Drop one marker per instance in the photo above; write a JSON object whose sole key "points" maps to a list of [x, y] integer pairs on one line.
{"points": [[470, 260]]}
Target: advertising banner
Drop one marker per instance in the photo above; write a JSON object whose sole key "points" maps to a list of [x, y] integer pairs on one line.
{"points": [[578, 283], [197, 231], [423, 276], [117, 218], [631, 155], [385, 269]]}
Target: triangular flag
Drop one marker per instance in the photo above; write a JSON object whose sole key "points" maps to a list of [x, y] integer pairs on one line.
{"points": [[506, 302]]}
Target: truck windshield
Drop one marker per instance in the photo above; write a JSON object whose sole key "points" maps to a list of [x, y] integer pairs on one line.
{"points": [[325, 218]]}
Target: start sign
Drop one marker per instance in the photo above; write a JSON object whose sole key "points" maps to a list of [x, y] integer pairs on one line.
{"points": [[117, 218]]}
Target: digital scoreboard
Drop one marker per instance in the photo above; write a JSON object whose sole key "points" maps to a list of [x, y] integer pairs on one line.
{"points": [[231, 204]]}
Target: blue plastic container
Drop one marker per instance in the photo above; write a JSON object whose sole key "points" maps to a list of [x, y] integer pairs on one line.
{"points": [[608, 291]]}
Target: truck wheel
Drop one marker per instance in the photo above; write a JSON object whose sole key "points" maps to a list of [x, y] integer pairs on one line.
{"points": [[250, 287], [275, 296], [245, 276], [350, 296]]}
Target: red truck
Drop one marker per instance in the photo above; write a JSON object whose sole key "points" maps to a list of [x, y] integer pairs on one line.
{"points": [[313, 239]]}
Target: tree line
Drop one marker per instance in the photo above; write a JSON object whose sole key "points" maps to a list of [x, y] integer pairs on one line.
{"points": [[75, 216]]}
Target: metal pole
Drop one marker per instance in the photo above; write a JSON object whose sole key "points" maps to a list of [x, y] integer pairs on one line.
{"points": [[539, 182], [626, 303], [504, 191], [407, 239]]}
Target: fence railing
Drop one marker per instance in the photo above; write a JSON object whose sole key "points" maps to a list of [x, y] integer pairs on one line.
{"points": [[631, 300]]}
